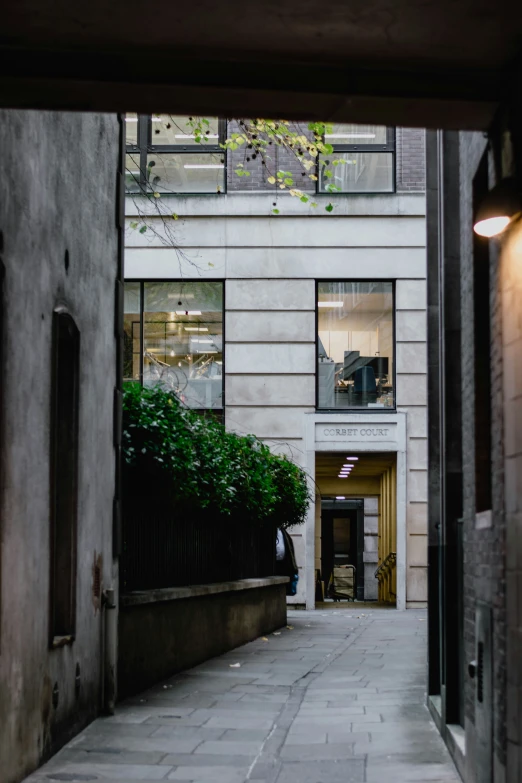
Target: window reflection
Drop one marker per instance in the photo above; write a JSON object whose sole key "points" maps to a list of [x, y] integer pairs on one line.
{"points": [[355, 345], [171, 172], [356, 172], [183, 343]]}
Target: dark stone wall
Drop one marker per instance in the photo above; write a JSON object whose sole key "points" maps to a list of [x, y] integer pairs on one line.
{"points": [[484, 549], [156, 640]]}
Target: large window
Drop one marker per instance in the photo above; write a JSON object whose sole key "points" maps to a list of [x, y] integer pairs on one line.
{"points": [[173, 336], [355, 345], [362, 160], [168, 154]]}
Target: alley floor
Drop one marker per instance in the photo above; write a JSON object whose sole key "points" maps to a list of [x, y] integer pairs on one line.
{"points": [[336, 697]]}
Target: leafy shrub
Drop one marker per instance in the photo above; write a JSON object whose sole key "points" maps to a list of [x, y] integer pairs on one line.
{"points": [[183, 458]]}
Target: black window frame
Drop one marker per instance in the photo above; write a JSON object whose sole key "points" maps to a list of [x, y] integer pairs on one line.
{"points": [[145, 147], [142, 281], [375, 411], [389, 147]]}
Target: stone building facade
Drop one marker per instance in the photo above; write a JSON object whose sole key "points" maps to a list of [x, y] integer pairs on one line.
{"points": [[272, 268]]}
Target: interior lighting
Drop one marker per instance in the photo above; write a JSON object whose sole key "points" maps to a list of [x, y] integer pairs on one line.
{"points": [[498, 208], [330, 304], [208, 342], [204, 166], [131, 119], [193, 136], [352, 459], [172, 353], [340, 497], [196, 328], [349, 135], [188, 312]]}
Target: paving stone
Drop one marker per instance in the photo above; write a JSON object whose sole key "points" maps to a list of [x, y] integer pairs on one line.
{"points": [[221, 747], [332, 700]]}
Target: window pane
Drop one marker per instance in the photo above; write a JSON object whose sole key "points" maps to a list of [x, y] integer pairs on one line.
{"points": [[131, 129], [198, 172], [171, 129], [356, 134], [132, 173], [356, 172], [355, 345], [131, 332], [183, 343]]}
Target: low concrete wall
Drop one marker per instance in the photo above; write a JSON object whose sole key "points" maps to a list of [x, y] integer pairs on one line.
{"points": [[162, 632]]}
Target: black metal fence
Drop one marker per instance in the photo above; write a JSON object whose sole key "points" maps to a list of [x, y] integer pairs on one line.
{"points": [[162, 550]]}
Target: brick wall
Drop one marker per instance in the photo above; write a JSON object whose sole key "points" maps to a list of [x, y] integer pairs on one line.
{"points": [[484, 550], [410, 160]]}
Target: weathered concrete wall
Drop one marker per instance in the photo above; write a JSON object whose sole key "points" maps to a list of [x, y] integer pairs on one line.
{"points": [[172, 633], [57, 194]]}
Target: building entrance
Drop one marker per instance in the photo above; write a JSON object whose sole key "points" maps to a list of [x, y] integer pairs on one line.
{"points": [[342, 548]]}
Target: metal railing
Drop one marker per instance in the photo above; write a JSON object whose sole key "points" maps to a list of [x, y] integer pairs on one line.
{"points": [[387, 564], [162, 549]]}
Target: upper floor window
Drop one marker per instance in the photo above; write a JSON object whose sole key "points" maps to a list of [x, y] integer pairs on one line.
{"points": [[355, 345], [173, 336], [174, 154], [362, 160]]}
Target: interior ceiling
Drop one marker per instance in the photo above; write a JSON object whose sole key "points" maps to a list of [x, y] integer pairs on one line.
{"points": [[327, 464], [395, 62]]}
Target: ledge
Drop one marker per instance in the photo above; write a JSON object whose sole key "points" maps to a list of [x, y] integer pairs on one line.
{"points": [[140, 597]]}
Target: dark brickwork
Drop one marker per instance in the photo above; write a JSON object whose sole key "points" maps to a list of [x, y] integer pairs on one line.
{"points": [[484, 550], [409, 160]]}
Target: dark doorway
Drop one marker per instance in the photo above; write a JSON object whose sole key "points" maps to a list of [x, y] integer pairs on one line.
{"points": [[342, 540]]}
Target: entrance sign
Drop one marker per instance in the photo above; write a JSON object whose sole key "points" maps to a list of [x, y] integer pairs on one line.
{"points": [[382, 433]]}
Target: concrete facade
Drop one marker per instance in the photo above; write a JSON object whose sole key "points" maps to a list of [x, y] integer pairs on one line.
{"points": [[270, 265], [58, 250]]}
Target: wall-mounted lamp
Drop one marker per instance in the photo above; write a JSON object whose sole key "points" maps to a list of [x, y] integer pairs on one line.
{"points": [[498, 208]]}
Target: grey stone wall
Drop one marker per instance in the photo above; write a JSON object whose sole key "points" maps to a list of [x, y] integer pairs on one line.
{"points": [[57, 194]]}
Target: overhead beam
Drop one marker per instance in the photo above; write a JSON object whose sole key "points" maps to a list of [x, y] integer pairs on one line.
{"points": [[146, 81]]}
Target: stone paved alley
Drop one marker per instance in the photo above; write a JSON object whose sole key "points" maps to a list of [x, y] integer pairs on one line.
{"points": [[337, 697]]}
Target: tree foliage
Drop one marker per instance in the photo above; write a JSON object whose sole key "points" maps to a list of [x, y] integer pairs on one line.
{"points": [[195, 464]]}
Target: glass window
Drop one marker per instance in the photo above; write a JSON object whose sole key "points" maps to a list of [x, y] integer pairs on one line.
{"points": [[132, 173], [183, 340], [171, 172], [131, 331], [355, 345], [356, 172], [170, 130], [356, 134], [131, 130]]}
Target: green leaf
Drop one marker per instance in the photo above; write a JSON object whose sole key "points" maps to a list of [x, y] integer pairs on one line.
{"points": [[133, 225], [143, 229], [275, 211], [304, 199], [329, 207]]}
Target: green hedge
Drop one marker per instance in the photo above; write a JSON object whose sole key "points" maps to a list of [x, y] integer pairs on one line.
{"points": [[200, 467]]}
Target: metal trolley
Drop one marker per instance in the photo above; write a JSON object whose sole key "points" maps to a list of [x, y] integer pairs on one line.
{"points": [[342, 583]]}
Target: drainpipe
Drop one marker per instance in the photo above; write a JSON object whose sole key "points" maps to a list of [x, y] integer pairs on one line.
{"points": [[111, 646]]}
